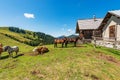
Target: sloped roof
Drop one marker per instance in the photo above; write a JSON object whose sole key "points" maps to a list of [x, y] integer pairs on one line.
{"points": [[108, 16], [88, 24], [115, 12]]}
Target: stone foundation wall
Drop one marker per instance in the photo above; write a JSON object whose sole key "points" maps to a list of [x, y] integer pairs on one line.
{"points": [[109, 44]]}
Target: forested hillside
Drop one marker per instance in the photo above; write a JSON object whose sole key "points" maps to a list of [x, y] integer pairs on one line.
{"points": [[27, 37]]}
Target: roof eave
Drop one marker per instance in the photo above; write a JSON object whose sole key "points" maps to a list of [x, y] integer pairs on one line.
{"points": [[114, 14], [77, 28], [106, 18]]}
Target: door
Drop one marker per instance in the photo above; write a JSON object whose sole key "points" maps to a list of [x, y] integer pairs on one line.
{"points": [[112, 31], [88, 34]]}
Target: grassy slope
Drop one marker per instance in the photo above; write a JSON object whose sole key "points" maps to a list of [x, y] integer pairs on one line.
{"points": [[5, 30], [80, 63], [8, 41]]}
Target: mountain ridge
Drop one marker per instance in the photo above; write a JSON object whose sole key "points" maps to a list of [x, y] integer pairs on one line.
{"points": [[70, 36]]}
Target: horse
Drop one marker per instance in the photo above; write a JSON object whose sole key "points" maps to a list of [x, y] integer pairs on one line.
{"points": [[71, 40], [59, 41], [10, 50], [40, 50], [1, 45], [1, 49]]}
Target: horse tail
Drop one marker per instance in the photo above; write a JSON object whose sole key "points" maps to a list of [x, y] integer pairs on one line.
{"points": [[16, 48]]}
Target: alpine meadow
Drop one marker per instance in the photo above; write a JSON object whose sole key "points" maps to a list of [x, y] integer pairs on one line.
{"points": [[59, 39], [83, 62]]}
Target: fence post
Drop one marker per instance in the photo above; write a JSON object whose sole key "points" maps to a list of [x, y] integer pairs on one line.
{"points": [[103, 41], [115, 43], [94, 38]]}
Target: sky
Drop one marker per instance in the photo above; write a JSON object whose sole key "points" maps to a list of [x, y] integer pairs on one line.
{"points": [[54, 17]]}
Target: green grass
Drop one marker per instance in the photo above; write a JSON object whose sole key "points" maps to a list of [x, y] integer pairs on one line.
{"points": [[72, 63], [8, 41], [19, 36]]}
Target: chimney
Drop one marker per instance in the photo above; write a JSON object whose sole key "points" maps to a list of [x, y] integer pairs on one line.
{"points": [[94, 17]]}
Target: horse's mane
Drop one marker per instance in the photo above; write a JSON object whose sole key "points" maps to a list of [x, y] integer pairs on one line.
{"points": [[6, 48]]}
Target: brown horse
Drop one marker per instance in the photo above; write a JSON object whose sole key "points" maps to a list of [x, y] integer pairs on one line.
{"points": [[65, 41], [1, 49], [71, 40], [59, 41], [40, 50]]}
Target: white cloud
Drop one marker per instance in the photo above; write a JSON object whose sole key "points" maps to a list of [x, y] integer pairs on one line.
{"points": [[29, 15], [70, 31]]}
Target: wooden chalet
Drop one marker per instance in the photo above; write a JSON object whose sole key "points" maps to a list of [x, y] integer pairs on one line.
{"points": [[110, 25], [89, 28]]}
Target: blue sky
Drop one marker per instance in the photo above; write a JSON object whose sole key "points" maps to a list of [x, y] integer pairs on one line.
{"points": [[54, 17]]}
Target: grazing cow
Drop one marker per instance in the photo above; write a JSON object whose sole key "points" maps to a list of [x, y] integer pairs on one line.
{"points": [[40, 50]]}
